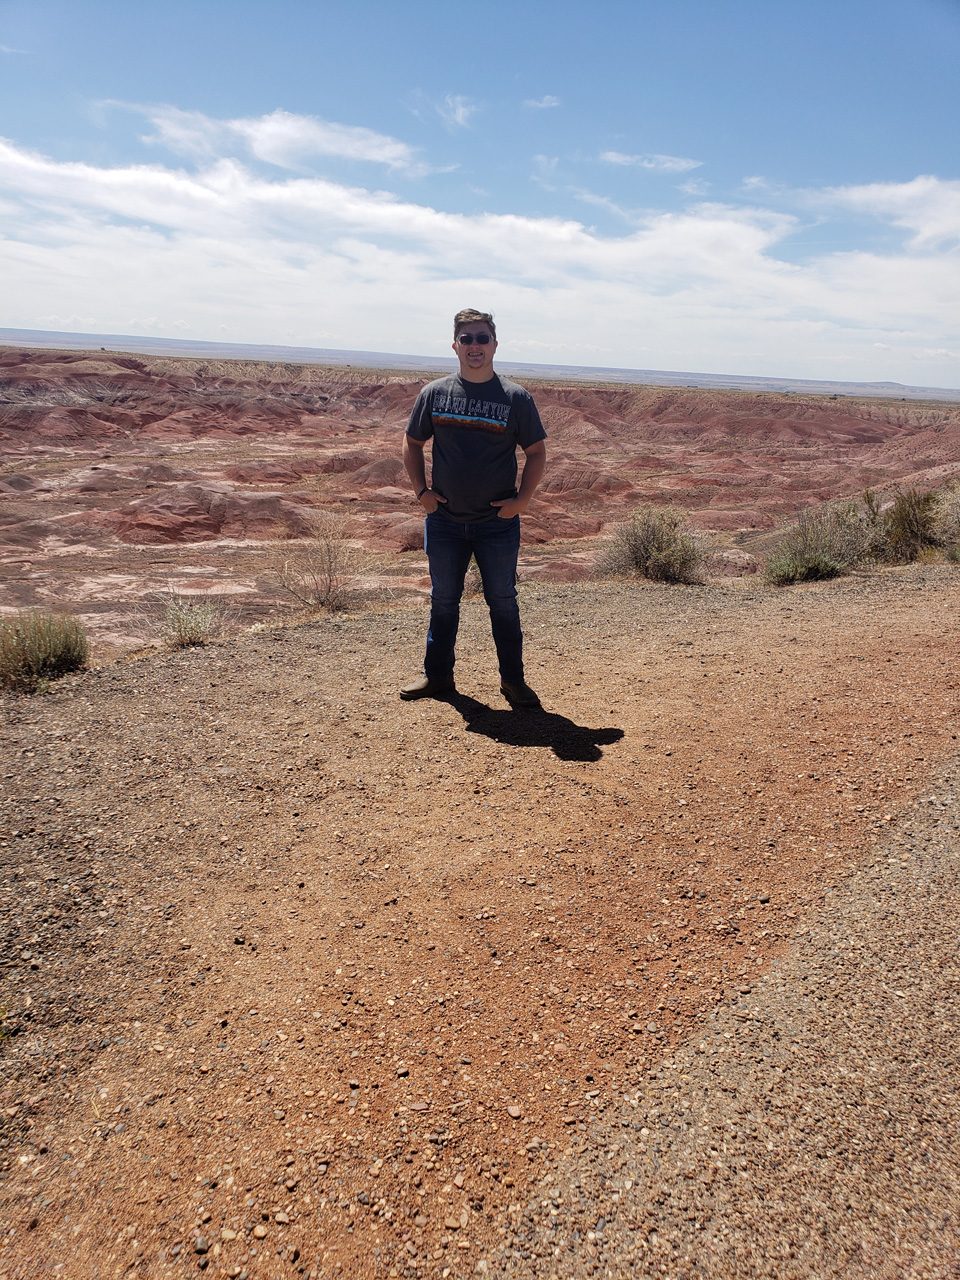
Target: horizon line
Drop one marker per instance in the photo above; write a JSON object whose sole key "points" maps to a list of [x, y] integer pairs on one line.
{"points": [[205, 349]]}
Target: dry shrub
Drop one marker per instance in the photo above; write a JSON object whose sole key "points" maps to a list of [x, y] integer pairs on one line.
{"points": [[910, 526], [187, 622], [37, 647], [320, 571], [947, 519], [657, 543], [824, 543]]}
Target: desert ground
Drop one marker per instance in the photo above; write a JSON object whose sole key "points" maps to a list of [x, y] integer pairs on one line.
{"points": [[302, 980]]}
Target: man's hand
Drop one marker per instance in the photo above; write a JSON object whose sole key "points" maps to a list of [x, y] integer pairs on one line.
{"points": [[509, 507], [430, 501], [536, 460]]}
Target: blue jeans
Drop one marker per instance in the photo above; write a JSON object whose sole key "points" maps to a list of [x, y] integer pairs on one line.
{"points": [[495, 544]]}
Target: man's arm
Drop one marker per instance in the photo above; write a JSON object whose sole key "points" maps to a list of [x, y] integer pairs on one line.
{"points": [[413, 461], [533, 468]]}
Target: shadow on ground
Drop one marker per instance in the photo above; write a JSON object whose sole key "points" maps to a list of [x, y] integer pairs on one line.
{"points": [[534, 728]]}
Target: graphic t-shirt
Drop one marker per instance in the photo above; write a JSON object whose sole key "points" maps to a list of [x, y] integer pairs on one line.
{"points": [[476, 428]]}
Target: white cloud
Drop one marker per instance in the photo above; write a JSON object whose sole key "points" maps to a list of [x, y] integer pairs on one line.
{"points": [[456, 111], [5, 48], [927, 206], [542, 104], [280, 138], [287, 257], [662, 164]]}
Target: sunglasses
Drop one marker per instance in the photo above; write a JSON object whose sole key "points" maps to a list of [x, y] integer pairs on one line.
{"points": [[468, 339]]}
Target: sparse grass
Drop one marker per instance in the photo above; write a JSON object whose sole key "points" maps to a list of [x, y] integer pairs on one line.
{"points": [[657, 543], [188, 622], [37, 647], [320, 571]]}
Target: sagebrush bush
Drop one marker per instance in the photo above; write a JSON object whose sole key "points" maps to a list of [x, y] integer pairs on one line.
{"points": [[657, 543], [37, 646], [320, 571], [909, 526], [823, 544], [191, 622], [947, 520]]}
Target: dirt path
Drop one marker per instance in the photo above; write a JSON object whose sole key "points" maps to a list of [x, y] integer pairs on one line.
{"points": [[302, 979]]}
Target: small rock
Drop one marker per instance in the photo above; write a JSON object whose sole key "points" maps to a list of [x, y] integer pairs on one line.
{"points": [[459, 1180], [514, 1112], [419, 1220], [259, 1231], [282, 1218], [201, 1245], [764, 897], [452, 1224], [652, 1028], [227, 1234], [403, 1071]]}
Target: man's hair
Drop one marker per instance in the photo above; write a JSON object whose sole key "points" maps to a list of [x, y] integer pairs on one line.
{"points": [[469, 316]]}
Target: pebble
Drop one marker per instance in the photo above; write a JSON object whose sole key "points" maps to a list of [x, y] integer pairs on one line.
{"points": [[514, 1112], [201, 1245]]}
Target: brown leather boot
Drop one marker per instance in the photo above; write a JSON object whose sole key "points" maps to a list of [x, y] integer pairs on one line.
{"points": [[424, 687], [519, 695]]}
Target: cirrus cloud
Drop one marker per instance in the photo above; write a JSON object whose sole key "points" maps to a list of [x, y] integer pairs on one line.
{"points": [[650, 160], [280, 138]]}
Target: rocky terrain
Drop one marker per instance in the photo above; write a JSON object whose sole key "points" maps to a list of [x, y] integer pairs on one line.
{"points": [[122, 476], [660, 980]]}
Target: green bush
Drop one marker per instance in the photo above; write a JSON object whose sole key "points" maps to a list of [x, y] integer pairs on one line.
{"points": [[37, 646], [823, 544], [657, 543]]}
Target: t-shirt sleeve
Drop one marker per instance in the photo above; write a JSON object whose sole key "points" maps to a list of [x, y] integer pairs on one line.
{"points": [[420, 425], [529, 427]]}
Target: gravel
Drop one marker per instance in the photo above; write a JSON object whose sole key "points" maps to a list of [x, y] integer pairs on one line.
{"points": [[810, 1127]]}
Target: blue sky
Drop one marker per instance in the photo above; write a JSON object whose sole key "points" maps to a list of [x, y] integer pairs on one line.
{"points": [[751, 188]]}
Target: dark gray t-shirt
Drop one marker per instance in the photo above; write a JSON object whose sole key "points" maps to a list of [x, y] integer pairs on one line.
{"points": [[476, 428]]}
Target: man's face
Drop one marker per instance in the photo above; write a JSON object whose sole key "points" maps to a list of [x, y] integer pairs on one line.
{"points": [[476, 358]]}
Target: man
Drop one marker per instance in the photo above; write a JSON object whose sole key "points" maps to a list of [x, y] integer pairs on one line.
{"points": [[476, 421]]}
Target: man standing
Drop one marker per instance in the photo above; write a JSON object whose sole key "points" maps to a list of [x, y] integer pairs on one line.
{"points": [[476, 421]]}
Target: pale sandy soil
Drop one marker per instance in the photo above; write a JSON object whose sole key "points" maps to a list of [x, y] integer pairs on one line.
{"points": [[300, 979]]}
